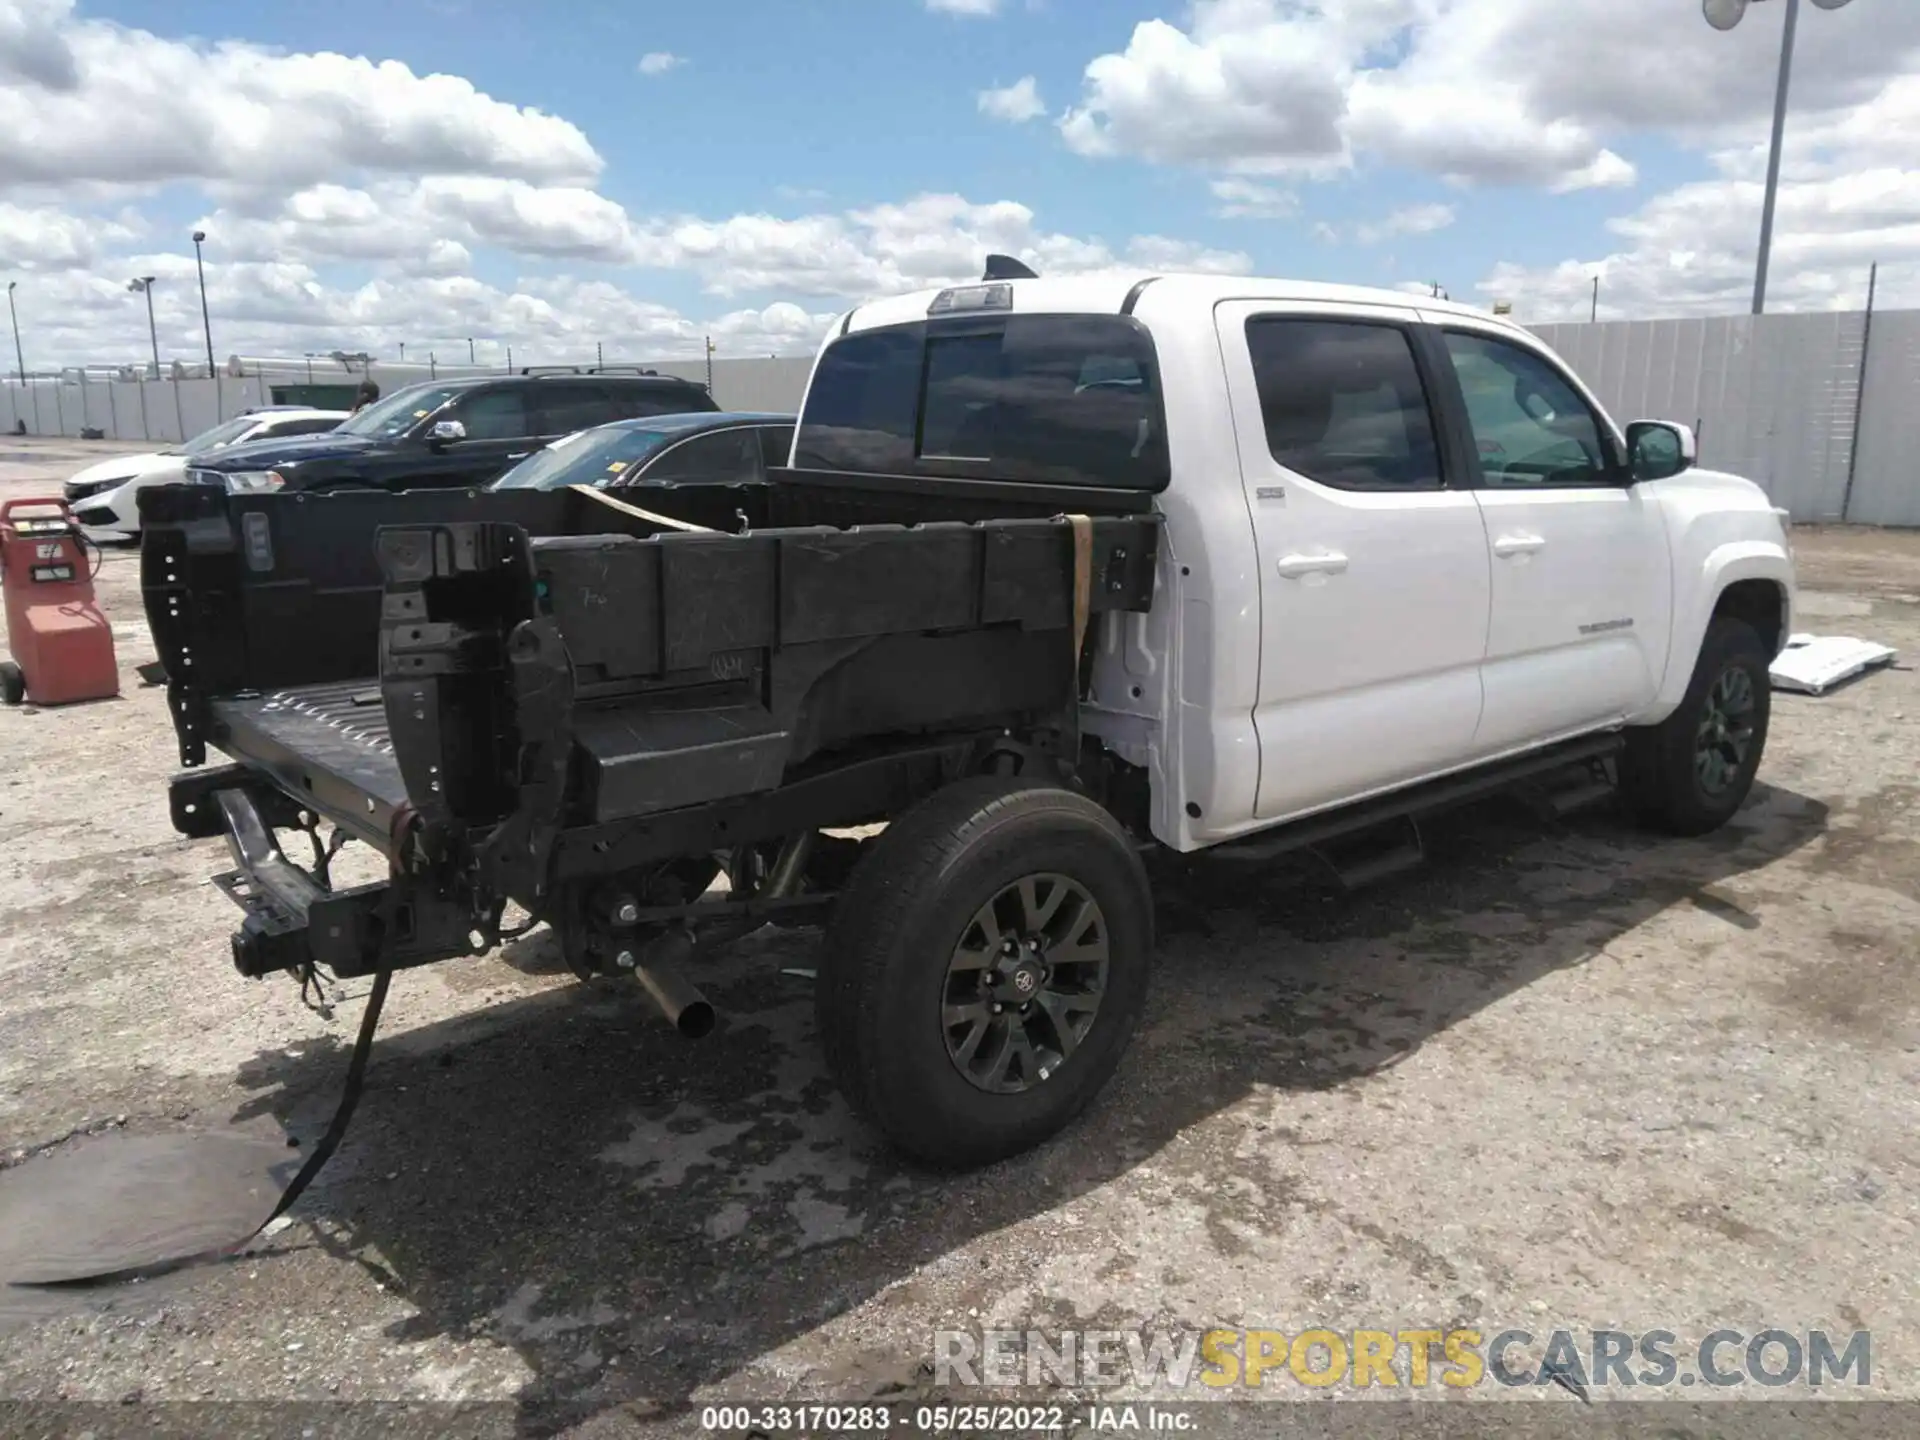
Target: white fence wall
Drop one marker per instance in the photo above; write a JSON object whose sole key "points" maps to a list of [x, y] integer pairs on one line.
{"points": [[1886, 481], [162, 411], [1777, 398], [1773, 397]]}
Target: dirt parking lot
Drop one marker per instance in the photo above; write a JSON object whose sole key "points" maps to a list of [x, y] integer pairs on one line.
{"points": [[1563, 1076]]}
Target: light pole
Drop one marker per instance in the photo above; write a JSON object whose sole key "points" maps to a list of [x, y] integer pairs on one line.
{"points": [[19, 357], [205, 322], [143, 285], [1724, 15]]}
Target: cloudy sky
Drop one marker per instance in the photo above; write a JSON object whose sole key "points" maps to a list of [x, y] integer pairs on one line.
{"points": [[645, 173]]}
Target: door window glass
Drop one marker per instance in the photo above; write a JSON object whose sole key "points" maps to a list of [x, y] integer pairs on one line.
{"points": [[1530, 426], [1343, 403], [567, 406], [730, 456], [637, 402], [306, 425], [495, 415]]}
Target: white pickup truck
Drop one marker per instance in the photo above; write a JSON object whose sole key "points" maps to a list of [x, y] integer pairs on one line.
{"points": [[1060, 570]]}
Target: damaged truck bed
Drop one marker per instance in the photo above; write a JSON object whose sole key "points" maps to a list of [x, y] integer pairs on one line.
{"points": [[632, 723]]}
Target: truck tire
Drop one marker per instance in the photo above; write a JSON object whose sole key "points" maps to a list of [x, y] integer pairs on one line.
{"points": [[958, 1049], [1691, 772]]}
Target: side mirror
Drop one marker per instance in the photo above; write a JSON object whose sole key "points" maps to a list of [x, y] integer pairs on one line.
{"points": [[1659, 450], [445, 432]]}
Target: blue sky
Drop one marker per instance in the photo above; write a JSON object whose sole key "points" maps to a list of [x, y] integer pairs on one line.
{"points": [[789, 106], [1504, 149]]}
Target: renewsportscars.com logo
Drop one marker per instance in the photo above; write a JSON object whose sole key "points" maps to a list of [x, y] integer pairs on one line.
{"points": [[1415, 1359]]}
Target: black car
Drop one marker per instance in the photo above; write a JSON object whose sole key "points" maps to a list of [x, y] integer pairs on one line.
{"points": [[725, 447], [452, 432]]}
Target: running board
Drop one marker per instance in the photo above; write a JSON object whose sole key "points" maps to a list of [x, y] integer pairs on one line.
{"points": [[1372, 864], [1582, 790], [1421, 800]]}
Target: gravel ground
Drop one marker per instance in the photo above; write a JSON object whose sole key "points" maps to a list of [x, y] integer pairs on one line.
{"points": [[1561, 1076]]}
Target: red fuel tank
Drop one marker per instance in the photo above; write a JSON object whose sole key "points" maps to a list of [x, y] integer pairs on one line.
{"points": [[62, 646]]}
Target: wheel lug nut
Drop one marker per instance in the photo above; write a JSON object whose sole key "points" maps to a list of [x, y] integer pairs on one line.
{"points": [[998, 1008]]}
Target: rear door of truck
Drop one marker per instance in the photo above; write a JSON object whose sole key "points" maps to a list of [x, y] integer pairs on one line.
{"points": [[1374, 590]]}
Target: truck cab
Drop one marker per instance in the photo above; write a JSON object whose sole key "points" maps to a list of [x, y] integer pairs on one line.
{"points": [[1402, 538]]}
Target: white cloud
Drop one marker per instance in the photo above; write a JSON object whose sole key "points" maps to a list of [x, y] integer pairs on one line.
{"points": [[42, 239], [925, 241], [1228, 93], [1158, 252], [1409, 220], [659, 62], [1506, 92], [90, 102], [1015, 103], [1849, 197], [1607, 172], [396, 220], [1413, 220], [286, 308], [33, 51], [963, 7], [281, 278], [434, 225], [1247, 200]]}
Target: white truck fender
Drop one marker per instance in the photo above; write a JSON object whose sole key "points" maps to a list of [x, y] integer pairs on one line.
{"points": [[1698, 590]]}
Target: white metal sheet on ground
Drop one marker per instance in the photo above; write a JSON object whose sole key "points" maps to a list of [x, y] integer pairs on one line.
{"points": [[1814, 664]]}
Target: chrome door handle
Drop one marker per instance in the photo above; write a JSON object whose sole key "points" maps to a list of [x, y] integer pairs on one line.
{"points": [[1518, 544], [521, 455], [1327, 562]]}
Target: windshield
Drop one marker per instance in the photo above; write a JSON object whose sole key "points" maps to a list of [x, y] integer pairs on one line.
{"points": [[223, 434], [398, 413], [587, 457]]}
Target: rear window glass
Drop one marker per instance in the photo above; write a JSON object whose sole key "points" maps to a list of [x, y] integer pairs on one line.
{"points": [[1050, 399], [1343, 403], [636, 402]]}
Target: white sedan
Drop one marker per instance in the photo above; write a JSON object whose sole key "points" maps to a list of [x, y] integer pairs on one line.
{"points": [[102, 496]]}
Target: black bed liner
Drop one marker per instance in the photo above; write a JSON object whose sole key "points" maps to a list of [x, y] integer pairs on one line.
{"points": [[325, 745]]}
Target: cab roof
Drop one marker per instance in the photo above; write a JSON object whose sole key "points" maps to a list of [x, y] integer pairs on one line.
{"points": [[1156, 293], [699, 420]]}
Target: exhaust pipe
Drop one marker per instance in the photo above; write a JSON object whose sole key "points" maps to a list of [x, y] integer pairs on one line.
{"points": [[657, 964], [657, 968]]}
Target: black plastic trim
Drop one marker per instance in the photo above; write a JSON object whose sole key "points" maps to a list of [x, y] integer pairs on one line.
{"points": [[1133, 295]]}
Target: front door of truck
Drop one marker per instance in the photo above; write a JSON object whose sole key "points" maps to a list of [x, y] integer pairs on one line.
{"points": [[1582, 594], [1373, 581]]}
